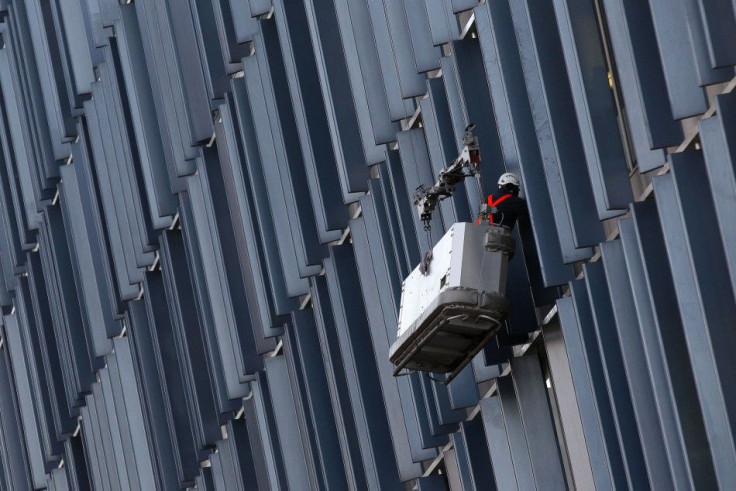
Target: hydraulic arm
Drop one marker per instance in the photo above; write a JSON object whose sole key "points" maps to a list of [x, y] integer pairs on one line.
{"points": [[467, 164]]}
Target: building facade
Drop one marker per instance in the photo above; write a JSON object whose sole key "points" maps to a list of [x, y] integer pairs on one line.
{"points": [[206, 217]]}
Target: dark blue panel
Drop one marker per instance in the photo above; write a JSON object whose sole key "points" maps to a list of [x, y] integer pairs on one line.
{"points": [[516, 132], [442, 24], [288, 197], [587, 372], [87, 252], [594, 104], [190, 64], [261, 270], [77, 34], [719, 150], [669, 327], [537, 419], [478, 457], [715, 292], [360, 368], [678, 62], [210, 283], [69, 326], [238, 435], [349, 110], [271, 206], [42, 379], [47, 346], [302, 345], [310, 120], [16, 152], [152, 370], [245, 25], [190, 341], [702, 46], [264, 418], [139, 98], [168, 92], [22, 59], [26, 407], [641, 78], [557, 130], [652, 342], [411, 83], [76, 464], [427, 56], [515, 436], [288, 428], [615, 374], [337, 382], [61, 125], [14, 463], [381, 307], [719, 22], [661, 472], [432, 483]]}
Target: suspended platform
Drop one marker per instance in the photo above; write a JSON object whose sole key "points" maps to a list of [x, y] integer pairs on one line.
{"points": [[452, 309]]}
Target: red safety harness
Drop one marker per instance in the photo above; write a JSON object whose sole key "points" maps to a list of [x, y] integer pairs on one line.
{"points": [[492, 204]]}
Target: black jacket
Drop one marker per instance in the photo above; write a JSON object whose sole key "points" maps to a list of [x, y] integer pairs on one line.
{"points": [[509, 209]]}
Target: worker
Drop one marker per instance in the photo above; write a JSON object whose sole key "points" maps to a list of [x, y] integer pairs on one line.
{"points": [[508, 206]]}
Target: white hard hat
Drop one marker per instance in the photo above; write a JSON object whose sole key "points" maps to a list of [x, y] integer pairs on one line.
{"points": [[508, 178]]}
